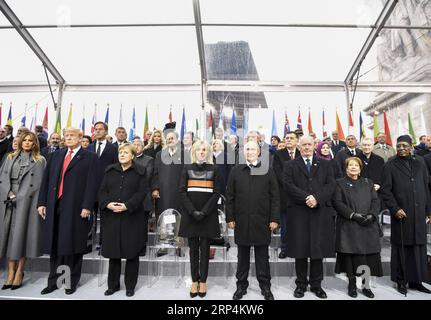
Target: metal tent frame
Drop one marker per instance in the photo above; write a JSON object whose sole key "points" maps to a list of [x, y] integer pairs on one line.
{"points": [[205, 84]]}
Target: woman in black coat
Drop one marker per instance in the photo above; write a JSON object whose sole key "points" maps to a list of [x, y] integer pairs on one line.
{"points": [[199, 190], [121, 201], [155, 144], [357, 231]]}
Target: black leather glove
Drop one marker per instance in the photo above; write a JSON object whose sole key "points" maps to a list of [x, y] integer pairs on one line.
{"points": [[359, 218], [198, 215], [369, 218]]}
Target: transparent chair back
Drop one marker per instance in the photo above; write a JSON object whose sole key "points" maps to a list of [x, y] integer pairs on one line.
{"points": [[168, 226]]}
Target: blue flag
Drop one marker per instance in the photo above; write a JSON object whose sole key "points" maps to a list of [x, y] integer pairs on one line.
{"points": [[107, 116], [133, 129], [183, 125], [233, 123], [274, 125]]}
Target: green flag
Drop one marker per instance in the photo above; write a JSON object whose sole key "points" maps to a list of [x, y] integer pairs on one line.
{"points": [[57, 128], [375, 127], [411, 131], [146, 122]]}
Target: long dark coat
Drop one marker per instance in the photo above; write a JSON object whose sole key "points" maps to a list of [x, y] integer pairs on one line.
{"points": [[280, 157], [151, 152], [356, 196], [223, 168], [166, 179], [79, 192], [372, 167], [253, 202], [109, 156], [123, 233], [408, 190], [201, 201], [148, 163], [310, 232]]}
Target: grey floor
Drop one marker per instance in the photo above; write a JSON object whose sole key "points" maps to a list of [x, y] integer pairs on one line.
{"points": [[92, 288]]}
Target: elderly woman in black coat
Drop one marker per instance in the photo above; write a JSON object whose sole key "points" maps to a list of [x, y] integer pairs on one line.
{"points": [[357, 230], [199, 190], [121, 201]]}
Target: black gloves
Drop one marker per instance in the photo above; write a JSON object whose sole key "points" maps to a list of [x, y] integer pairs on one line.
{"points": [[369, 218], [198, 215], [363, 220], [359, 218]]}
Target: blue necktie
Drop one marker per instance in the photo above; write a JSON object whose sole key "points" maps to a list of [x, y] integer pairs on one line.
{"points": [[308, 165]]}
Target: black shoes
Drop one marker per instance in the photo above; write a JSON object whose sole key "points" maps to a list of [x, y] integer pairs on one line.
{"points": [[419, 287], [13, 287], [267, 294], [401, 287], [299, 292], [239, 293], [130, 293], [368, 293], [6, 286], [351, 291], [110, 292], [48, 290], [282, 254], [319, 292], [70, 291]]}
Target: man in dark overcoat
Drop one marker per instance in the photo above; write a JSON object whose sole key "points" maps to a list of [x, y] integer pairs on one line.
{"points": [[66, 198], [309, 185], [253, 211], [280, 157], [351, 150], [405, 191]]}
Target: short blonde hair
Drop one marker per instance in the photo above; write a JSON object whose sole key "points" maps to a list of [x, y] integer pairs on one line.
{"points": [[130, 147], [197, 145], [72, 129]]}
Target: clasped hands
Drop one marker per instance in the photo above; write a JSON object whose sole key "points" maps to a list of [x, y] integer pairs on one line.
{"points": [[117, 207], [311, 201], [363, 219]]}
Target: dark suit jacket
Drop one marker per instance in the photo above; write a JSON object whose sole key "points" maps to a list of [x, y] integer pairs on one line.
{"points": [[335, 148], [280, 157], [79, 192], [340, 159], [109, 156]]}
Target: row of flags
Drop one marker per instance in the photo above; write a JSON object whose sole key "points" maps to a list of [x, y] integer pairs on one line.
{"points": [[211, 125]]}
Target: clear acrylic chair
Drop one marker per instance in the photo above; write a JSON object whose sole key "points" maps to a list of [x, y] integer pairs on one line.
{"points": [[166, 239]]}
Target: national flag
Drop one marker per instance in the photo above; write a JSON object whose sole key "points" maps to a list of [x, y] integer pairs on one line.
{"points": [[220, 123], [339, 127], [299, 121], [107, 116], [83, 121], [274, 124], [93, 121], [210, 130], [411, 130], [133, 128], [325, 134], [197, 128], [286, 124], [233, 128], [387, 130], [120, 119], [245, 121], [183, 125], [69, 118], [310, 125], [351, 125], [57, 128], [361, 127], [376, 129], [45, 122], [9, 116], [24, 118], [170, 114], [146, 124]]}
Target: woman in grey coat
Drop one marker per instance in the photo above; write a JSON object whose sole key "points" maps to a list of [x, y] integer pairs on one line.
{"points": [[20, 226], [357, 230]]}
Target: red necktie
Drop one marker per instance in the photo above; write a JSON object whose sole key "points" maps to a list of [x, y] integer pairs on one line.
{"points": [[63, 171]]}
